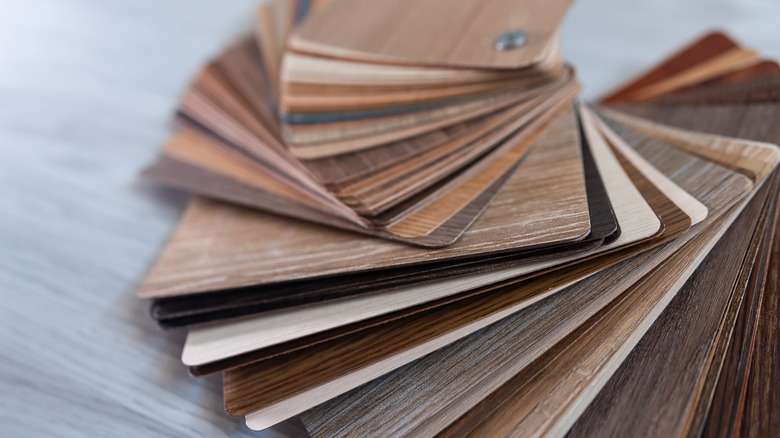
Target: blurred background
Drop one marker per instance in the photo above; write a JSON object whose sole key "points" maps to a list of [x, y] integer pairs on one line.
{"points": [[87, 93]]}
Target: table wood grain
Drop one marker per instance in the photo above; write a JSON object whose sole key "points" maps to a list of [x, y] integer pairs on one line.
{"points": [[87, 90]]}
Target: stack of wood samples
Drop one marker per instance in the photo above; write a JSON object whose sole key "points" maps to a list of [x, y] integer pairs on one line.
{"points": [[408, 146], [406, 225]]}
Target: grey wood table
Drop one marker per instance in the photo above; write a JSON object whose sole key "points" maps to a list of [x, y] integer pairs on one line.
{"points": [[87, 89]]}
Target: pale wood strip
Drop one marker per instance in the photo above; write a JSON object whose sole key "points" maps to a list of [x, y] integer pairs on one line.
{"points": [[685, 201]]}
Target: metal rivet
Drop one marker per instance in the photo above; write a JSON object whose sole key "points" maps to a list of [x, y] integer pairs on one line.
{"points": [[510, 40]]}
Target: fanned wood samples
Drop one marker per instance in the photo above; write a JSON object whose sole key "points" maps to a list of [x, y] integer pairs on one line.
{"points": [[407, 226]]}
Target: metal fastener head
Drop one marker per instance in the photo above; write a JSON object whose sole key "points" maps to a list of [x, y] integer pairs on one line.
{"points": [[510, 40]]}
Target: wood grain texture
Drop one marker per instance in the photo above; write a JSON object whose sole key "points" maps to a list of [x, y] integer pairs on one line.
{"points": [[757, 89], [664, 371], [637, 221], [321, 140], [295, 257], [546, 398], [758, 158], [682, 199], [200, 308], [302, 97], [724, 413], [702, 50], [528, 387], [761, 409], [180, 173], [762, 68], [88, 89], [604, 228], [722, 389], [301, 68], [222, 99], [727, 62], [259, 421], [403, 32], [753, 125], [717, 410], [219, 341], [394, 392], [383, 190]]}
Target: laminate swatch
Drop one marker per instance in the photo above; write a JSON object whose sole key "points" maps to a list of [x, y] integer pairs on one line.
{"points": [[307, 251], [663, 373], [437, 33], [542, 406]]}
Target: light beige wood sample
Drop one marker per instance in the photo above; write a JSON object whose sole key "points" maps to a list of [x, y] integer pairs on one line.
{"points": [[431, 31]]}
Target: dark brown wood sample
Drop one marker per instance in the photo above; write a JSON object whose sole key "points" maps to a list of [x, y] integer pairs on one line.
{"points": [[722, 415], [761, 414], [663, 373], [749, 121]]}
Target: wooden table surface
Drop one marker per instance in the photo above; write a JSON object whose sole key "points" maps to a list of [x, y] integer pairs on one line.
{"points": [[87, 90]]}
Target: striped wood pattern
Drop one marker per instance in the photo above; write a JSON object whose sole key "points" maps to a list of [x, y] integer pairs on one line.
{"points": [[665, 372], [305, 250], [401, 397], [757, 415]]}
